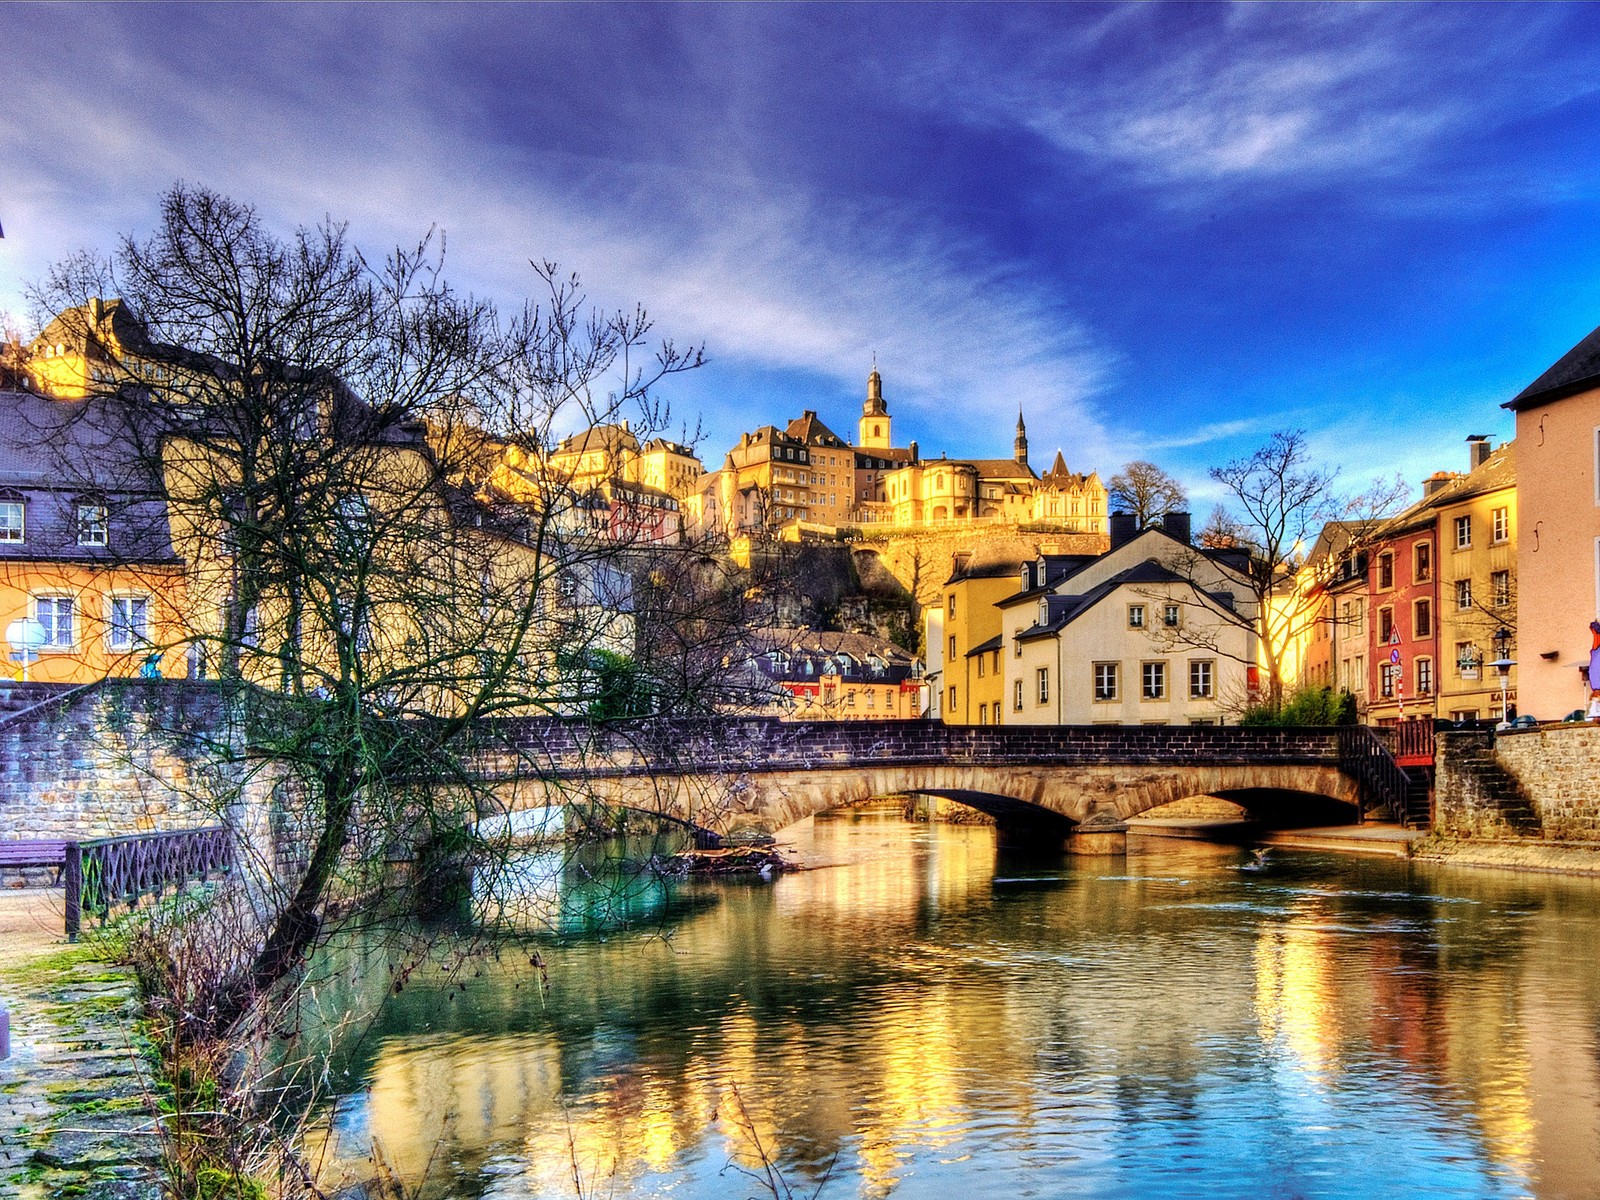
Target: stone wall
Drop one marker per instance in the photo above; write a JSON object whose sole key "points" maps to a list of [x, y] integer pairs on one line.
{"points": [[1560, 768], [1540, 783], [110, 760]]}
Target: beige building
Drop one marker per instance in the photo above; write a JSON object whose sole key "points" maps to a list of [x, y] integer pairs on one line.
{"points": [[1154, 632], [1558, 495]]}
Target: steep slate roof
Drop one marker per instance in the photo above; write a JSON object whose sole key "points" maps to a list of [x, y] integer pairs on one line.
{"points": [[808, 428], [56, 453], [1575, 371], [1063, 610]]}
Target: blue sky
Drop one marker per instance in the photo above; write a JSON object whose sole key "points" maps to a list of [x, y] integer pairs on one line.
{"points": [[1162, 230]]}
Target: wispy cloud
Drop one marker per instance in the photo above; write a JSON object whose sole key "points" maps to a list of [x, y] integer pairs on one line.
{"points": [[1210, 95]]}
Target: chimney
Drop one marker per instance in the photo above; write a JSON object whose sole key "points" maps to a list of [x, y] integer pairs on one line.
{"points": [[1434, 482], [1177, 526], [914, 454], [96, 311], [1124, 528], [1477, 450]]}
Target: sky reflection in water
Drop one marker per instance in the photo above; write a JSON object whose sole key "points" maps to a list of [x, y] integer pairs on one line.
{"points": [[922, 1020]]}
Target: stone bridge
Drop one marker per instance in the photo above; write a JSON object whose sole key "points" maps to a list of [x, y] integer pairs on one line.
{"points": [[1078, 783]]}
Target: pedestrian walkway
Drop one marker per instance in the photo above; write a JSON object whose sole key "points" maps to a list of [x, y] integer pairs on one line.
{"points": [[76, 1095]]}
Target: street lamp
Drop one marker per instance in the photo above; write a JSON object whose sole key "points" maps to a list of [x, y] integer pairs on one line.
{"points": [[1503, 662], [25, 637]]}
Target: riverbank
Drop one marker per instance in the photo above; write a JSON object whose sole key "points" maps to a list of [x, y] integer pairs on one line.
{"points": [[1513, 854], [77, 1111], [1371, 837]]}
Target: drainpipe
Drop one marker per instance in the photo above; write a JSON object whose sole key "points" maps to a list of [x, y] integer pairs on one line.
{"points": [[1061, 683]]}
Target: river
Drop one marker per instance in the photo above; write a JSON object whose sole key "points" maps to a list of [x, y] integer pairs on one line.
{"points": [[921, 1017]]}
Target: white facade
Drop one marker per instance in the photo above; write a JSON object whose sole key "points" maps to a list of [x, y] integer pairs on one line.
{"points": [[1123, 641]]}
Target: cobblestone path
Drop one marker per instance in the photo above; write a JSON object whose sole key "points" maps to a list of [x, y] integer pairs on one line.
{"points": [[76, 1095]]}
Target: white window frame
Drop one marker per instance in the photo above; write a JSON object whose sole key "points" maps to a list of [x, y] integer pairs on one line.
{"points": [[1159, 692], [93, 524], [137, 637], [1463, 592], [1208, 667], [20, 530], [1042, 676], [1463, 528], [1500, 525], [1103, 695], [1016, 697], [1135, 616], [52, 626], [1171, 614]]}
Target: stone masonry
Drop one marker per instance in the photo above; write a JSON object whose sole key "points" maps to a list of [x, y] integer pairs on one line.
{"points": [[1540, 783]]}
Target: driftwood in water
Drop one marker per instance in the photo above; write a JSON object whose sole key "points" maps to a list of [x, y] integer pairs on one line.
{"points": [[735, 860]]}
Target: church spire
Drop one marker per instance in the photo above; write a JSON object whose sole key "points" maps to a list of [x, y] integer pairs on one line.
{"points": [[1021, 443], [874, 430]]}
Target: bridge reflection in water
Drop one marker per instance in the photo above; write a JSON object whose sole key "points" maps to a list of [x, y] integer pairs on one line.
{"points": [[927, 1018]]}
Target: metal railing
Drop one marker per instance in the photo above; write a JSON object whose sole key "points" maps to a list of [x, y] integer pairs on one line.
{"points": [[1366, 756], [122, 870]]}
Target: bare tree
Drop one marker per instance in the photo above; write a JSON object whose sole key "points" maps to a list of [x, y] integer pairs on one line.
{"points": [[1146, 491], [317, 422], [1279, 502]]}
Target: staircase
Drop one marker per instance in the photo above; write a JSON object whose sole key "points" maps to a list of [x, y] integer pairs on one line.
{"points": [[1385, 786], [1472, 754]]}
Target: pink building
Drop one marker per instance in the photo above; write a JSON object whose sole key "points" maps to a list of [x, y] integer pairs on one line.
{"points": [[1558, 561]]}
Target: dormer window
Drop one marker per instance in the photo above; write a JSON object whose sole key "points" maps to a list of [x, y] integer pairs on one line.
{"points": [[93, 525], [12, 512]]}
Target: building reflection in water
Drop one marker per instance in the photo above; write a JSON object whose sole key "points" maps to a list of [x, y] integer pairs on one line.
{"points": [[920, 1022]]}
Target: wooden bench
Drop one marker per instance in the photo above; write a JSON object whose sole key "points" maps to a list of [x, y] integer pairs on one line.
{"points": [[36, 852]]}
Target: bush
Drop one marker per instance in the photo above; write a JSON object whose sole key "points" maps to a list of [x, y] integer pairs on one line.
{"points": [[1308, 706]]}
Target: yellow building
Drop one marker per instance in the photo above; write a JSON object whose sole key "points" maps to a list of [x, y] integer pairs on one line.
{"points": [[832, 470], [972, 674], [1477, 540]]}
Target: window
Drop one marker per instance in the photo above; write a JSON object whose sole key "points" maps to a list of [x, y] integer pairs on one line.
{"points": [[1422, 619], [1352, 616], [952, 649], [1424, 676], [1390, 670], [1502, 525], [952, 697], [1043, 677], [128, 625], [92, 525], [1500, 588], [981, 665], [1463, 533], [11, 513], [950, 608], [1385, 571], [1135, 616], [1468, 660], [1153, 681], [1169, 616], [1016, 696], [983, 714], [55, 613], [1202, 679], [994, 660], [1422, 562], [1463, 593], [1385, 625]]}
